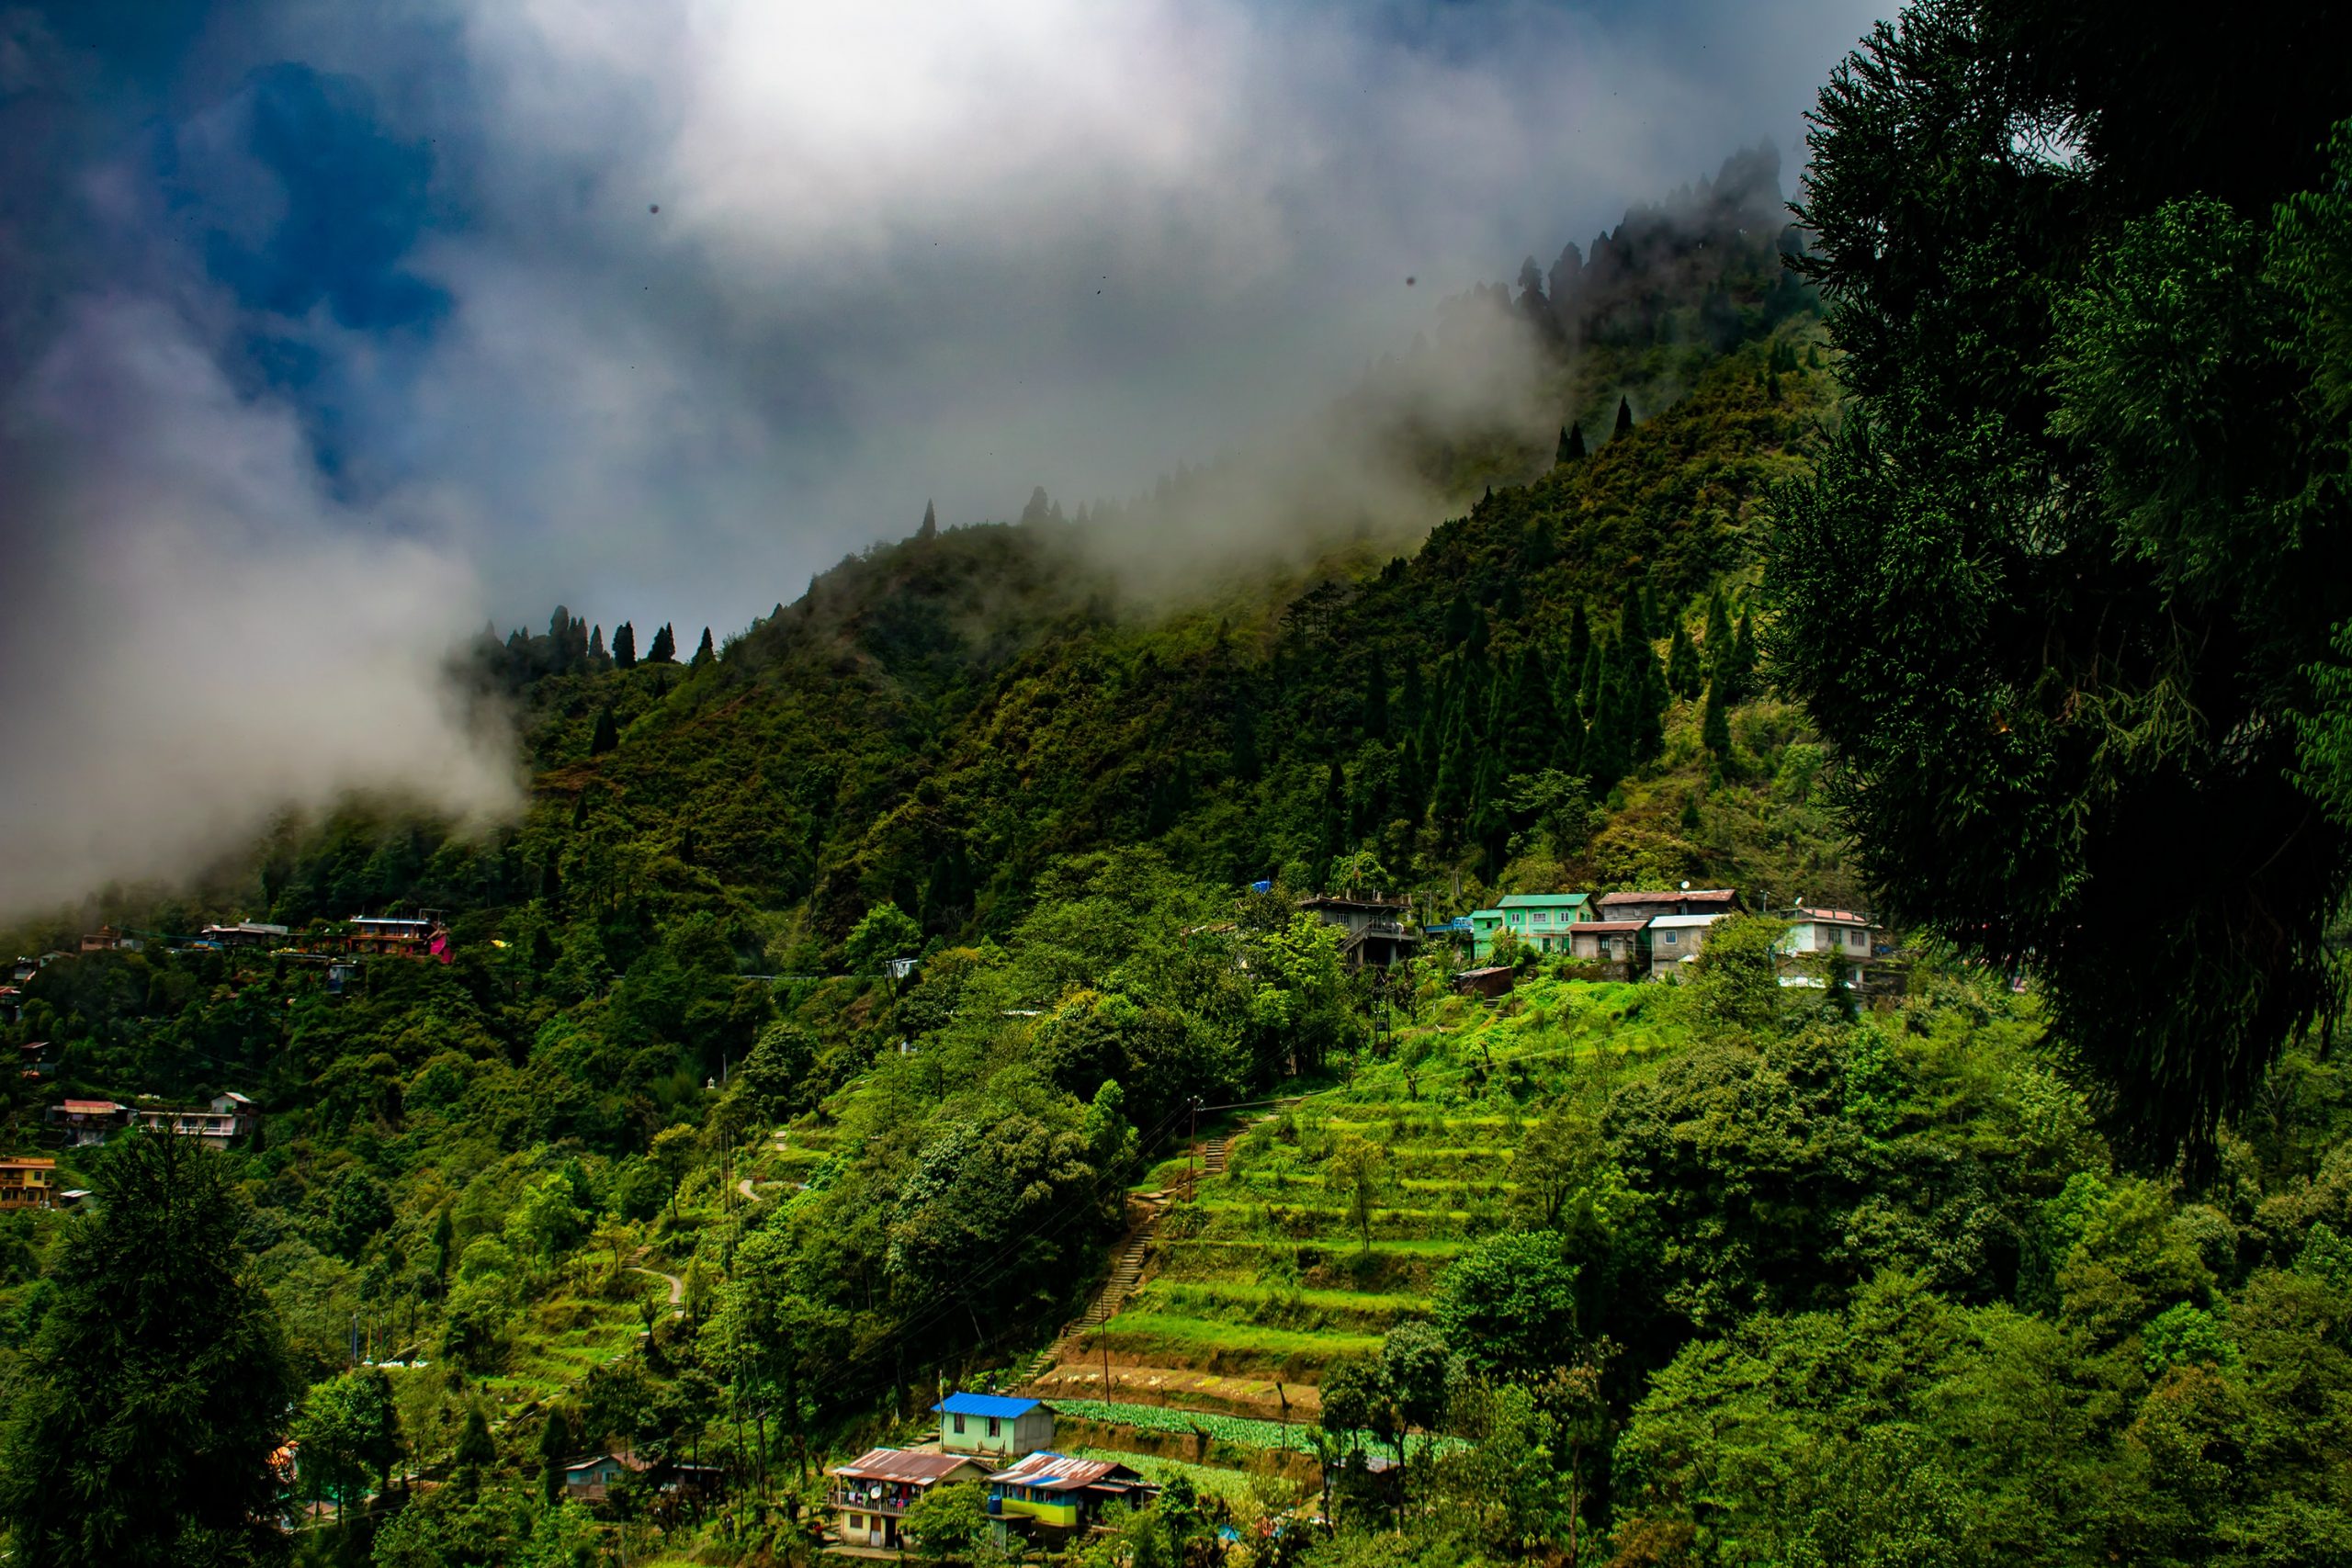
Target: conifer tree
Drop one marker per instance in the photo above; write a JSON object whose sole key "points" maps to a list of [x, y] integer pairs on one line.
{"points": [[1684, 675], [607, 736], [151, 1394], [665, 646], [1243, 742], [1376, 700], [1719, 652], [1589, 684], [1335, 819], [560, 640], [1461, 618], [1579, 638], [1571, 443], [1714, 726], [930, 529], [1530, 735], [625, 647], [1625, 417], [555, 1447], [705, 653], [1456, 774], [1413, 700], [596, 645], [1743, 657]]}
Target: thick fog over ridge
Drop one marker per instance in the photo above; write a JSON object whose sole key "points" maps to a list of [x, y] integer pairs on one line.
{"points": [[336, 335]]}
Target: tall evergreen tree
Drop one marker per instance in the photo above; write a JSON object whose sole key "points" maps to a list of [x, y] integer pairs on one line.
{"points": [[1335, 819], [1530, 736], [1376, 699], [156, 1388], [1457, 772], [1413, 699], [1719, 652], [1625, 418], [1714, 725], [930, 529], [625, 647], [1242, 741], [1743, 657], [1571, 443], [1461, 618], [705, 653], [555, 1447], [596, 645], [1684, 673], [665, 646], [606, 736]]}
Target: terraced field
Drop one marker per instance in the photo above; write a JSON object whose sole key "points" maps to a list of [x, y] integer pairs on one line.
{"points": [[1267, 1279]]}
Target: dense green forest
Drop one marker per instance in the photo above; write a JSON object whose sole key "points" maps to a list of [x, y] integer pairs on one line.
{"points": [[2043, 1257]]}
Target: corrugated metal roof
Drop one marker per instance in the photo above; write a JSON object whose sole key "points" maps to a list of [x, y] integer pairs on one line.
{"points": [[1059, 1472], [985, 1404], [1540, 900], [907, 1465], [1683, 923], [1672, 895], [1833, 917], [1607, 928]]}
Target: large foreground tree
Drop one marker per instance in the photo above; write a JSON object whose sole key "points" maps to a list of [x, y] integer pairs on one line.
{"points": [[157, 1387], [2065, 586]]}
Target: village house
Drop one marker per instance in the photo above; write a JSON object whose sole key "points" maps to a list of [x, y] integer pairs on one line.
{"points": [[106, 939], [227, 1119], [1675, 941], [85, 1122], [1686, 900], [994, 1426], [1490, 980], [874, 1491], [592, 1479], [1064, 1494], [1542, 920], [244, 934], [1376, 927], [1815, 934], [27, 1183], [1623, 946], [389, 936], [36, 1059]]}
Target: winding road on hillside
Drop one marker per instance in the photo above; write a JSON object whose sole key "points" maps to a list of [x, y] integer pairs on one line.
{"points": [[677, 1287]]}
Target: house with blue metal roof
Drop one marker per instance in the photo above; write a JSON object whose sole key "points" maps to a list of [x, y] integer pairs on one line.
{"points": [[993, 1424]]}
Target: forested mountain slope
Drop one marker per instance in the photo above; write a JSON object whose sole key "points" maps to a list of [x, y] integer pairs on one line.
{"points": [[663, 1160]]}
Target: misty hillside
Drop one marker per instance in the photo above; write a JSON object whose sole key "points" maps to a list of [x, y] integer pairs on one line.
{"points": [[935, 721]]}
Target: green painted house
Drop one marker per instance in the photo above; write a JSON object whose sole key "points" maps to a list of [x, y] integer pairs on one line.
{"points": [[1540, 919], [992, 1424]]}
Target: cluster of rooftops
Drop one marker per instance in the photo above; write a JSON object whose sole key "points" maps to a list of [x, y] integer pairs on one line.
{"points": [[1636, 933], [997, 1441]]}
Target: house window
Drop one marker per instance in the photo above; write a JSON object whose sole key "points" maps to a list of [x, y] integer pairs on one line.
{"points": [[959, 1423], [1673, 938], [1541, 919], [992, 1426]]}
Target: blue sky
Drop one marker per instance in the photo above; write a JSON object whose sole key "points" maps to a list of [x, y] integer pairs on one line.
{"points": [[308, 304]]}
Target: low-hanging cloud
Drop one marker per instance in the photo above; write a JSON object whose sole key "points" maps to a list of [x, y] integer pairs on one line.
{"points": [[218, 640]]}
